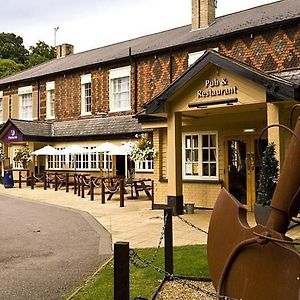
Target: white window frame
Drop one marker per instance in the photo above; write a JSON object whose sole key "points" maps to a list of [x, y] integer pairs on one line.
{"points": [[144, 166], [23, 93], [193, 56], [200, 156], [115, 74], [1, 106], [86, 85], [50, 105]]}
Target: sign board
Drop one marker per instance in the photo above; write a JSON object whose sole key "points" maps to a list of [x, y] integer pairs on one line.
{"points": [[13, 135]]}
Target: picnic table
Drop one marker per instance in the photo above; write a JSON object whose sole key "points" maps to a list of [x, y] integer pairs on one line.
{"points": [[139, 185]]}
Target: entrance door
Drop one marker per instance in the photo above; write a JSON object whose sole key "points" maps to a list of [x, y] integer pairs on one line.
{"points": [[242, 168], [120, 165]]}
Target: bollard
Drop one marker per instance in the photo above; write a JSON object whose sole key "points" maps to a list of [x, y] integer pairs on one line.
{"points": [[152, 194], [102, 191], [121, 271], [67, 182], [168, 242], [78, 185], [92, 189], [32, 181], [27, 178], [122, 192], [45, 181], [20, 179]]}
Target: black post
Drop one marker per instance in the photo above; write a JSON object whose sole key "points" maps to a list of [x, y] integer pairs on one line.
{"points": [[67, 182], [27, 178], [152, 194], [75, 184], [82, 186], [168, 242], [92, 188], [55, 182], [121, 192], [32, 181], [121, 271], [79, 177], [20, 179], [102, 191], [45, 181]]}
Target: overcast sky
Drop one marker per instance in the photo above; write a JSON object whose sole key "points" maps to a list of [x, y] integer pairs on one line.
{"points": [[90, 24]]}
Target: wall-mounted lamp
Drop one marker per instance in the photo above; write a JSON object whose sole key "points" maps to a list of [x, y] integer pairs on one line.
{"points": [[249, 130]]}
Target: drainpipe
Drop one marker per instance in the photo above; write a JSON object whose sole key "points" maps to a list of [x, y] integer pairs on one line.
{"points": [[38, 110], [135, 96]]}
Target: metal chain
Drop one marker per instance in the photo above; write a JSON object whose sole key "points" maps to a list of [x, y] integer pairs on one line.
{"points": [[134, 256], [154, 255], [38, 178], [192, 225], [95, 182]]}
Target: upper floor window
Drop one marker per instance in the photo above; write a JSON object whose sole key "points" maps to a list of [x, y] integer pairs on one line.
{"points": [[200, 156], [1, 106], [119, 89], [86, 94], [25, 95], [50, 106]]}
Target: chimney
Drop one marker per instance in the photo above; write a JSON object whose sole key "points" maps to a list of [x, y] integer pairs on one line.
{"points": [[64, 50], [203, 13]]}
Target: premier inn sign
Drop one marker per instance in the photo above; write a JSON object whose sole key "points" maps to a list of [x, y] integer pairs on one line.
{"points": [[217, 87]]}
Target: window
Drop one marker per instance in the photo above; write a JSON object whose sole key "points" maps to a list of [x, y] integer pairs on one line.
{"points": [[50, 110], [57, 161], [25, 95], [119, 89], [200, 156], [86, 94], [144, 166], [1, 106], [106, 162]]}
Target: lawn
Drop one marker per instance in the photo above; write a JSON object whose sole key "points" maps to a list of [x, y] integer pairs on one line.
{"points": [[188, 261]]}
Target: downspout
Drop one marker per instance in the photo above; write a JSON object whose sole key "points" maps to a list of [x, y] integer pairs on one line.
{"points": [[135, 96], [38, 110], [171, 65]]}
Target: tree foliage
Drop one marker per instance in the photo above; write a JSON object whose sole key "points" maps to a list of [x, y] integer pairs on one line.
{"points": [[268, 175], [40, 53], [14, 57]]}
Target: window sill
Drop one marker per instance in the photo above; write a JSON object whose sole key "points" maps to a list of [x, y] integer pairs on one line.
{"points": [[144, 171], [50, 118], [85, 114], [120, 110]]}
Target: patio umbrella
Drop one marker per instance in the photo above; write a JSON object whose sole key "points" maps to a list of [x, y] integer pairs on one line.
{"points": [[106, 147], [121, 150], [47, 150], [73, 149]]}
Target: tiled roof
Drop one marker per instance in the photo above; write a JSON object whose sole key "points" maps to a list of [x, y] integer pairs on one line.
{"points": [[291, 75], [256, 17], [107, 126]]}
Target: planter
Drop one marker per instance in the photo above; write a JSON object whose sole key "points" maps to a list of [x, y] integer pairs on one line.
{"points": [[261, 213]]}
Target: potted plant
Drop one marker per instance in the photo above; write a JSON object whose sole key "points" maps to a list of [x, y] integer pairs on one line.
{"points": [[23, 155], [142, 150], [268, 178]]}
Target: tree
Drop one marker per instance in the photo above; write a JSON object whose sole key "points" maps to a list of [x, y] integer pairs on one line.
{"points": [[9, 67], [40, 53], [11, 47], [268, 175]]}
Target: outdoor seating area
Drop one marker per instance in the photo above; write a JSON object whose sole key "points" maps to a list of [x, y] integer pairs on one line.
{"points": [[101, 188]]}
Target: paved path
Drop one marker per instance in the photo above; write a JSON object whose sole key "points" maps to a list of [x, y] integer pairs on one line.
{"points": [[45, 250]]}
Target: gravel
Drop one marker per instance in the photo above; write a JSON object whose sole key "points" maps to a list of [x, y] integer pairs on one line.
{"points": [[173, 290]]}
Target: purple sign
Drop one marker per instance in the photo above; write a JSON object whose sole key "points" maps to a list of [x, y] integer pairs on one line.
{"points": [[13, 135]]}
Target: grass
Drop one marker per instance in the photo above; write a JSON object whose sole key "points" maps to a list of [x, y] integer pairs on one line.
{"points": [[188, 261]]}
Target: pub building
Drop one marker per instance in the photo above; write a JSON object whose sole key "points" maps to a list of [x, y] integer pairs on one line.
{"points": [[203, 92]]}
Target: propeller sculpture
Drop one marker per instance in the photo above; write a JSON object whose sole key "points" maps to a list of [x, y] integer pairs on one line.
{"points": [[258, 263]]}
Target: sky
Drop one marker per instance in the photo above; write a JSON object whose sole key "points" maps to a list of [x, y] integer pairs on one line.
{"points": [[89, 24]]}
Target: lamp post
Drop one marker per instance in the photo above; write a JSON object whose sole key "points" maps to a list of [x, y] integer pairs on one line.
{"points": [[55, 30]]}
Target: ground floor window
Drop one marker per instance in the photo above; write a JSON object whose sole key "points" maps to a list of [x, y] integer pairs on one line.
{"points": [[144, 166], [83, 161], [200, 155]]}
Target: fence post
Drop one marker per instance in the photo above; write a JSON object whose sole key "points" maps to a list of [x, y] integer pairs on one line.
{"points": [[27, 178], [67, 182], [75, 184], [152, 193], [102, 191], [79, 177], [45, 181], [82, 186], [20, 180], [121, 192], [55, 182], [32, 181], [92, 188], [168, 241], [121, 271]]}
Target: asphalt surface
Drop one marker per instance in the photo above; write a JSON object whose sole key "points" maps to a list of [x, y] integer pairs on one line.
{"points": [[45, 250]]}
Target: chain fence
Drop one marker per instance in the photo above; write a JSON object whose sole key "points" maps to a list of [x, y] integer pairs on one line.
{"points": [[191, 225]]}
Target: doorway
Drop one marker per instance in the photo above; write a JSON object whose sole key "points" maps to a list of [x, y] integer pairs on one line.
{"points": [[120, 165], [242, 166]]}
